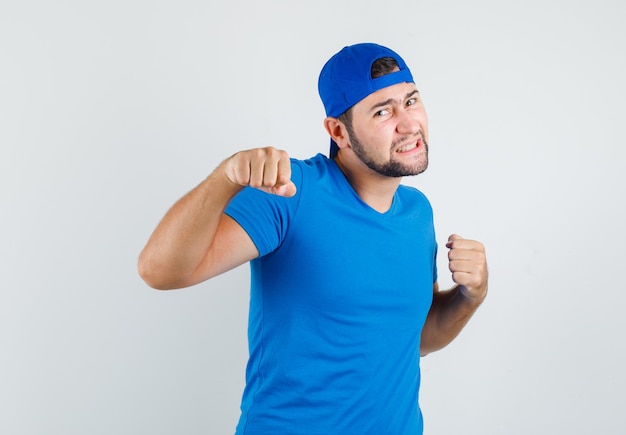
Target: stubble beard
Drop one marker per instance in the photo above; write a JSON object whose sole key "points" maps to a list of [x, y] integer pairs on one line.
{"points": [[390, 168]]}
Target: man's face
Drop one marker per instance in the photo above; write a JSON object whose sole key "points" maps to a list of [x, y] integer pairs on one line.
{"points": [[389, 131]]}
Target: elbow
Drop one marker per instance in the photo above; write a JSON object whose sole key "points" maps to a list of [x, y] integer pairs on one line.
{"points": [[426, 350], [157, 285], [151, 279], [152, 275], [431, 343]]}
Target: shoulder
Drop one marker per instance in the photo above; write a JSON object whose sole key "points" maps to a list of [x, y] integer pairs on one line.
{"points": [[317, 163], [315, 169]]}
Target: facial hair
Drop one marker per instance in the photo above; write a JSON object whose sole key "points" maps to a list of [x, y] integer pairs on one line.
{"points": [[390, 168]]}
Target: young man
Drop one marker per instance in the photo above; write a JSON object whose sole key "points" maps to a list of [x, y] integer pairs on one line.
{"points": [[344, 293]]}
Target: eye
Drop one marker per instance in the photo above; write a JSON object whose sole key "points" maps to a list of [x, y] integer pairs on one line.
{"points": [[382, 112], [411, 101]]}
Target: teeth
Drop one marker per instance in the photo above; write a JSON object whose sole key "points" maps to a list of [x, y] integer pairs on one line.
{"points": [[405, 148]]}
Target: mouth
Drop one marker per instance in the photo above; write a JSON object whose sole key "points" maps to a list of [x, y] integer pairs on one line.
{"points": [[407, 147], [410, 146]]}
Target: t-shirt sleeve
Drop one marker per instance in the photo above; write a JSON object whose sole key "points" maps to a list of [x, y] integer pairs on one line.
{"points": [[265, 217]]}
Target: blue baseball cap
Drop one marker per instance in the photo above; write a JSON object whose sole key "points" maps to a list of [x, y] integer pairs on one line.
{"points": [[346, 78]]}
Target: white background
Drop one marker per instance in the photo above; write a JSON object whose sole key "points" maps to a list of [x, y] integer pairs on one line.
{"points": [[110, 111]]}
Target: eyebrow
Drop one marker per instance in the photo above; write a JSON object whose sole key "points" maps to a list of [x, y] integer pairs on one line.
{"points": [[391, 100]]}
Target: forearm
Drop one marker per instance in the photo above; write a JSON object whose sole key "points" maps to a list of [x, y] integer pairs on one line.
{"points": [[449, 313], [184, 236]]}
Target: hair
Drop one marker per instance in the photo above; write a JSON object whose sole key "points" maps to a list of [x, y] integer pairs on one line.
{"points": [[380, 67]]}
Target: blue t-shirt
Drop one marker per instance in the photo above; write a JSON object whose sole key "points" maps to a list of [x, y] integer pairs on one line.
{"points": [[339, 296]]}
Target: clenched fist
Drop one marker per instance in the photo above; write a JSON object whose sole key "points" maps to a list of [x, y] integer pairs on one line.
{"points": [[266, 169], [468, 264]]}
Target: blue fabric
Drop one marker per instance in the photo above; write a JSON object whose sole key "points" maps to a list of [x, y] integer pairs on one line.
{"points": [[347, 76], [339, 295]]}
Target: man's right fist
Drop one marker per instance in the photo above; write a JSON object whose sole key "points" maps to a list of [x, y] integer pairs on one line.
{"points": [[266, 169]]}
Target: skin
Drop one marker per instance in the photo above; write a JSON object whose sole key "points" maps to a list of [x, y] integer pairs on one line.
{"points": [[196, 241]]}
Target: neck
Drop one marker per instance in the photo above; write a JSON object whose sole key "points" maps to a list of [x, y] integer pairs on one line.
{"points": [[374, 189]]}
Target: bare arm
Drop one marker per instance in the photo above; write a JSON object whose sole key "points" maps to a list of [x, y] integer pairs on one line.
{"points": [[452, 309], [195, 240]]}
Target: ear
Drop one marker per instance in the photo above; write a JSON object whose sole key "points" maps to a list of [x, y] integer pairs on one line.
{"points": [[337, 131]]}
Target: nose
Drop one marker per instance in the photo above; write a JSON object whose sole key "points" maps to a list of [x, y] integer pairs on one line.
{"points": [[408, 122]]}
